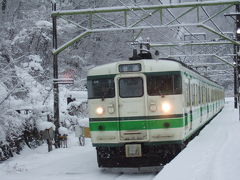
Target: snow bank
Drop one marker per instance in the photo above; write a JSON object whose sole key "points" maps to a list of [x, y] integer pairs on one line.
{"points": [[213, 154], [41, 126]]}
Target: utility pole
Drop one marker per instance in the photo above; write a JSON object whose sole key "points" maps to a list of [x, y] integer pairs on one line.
{"points": [[237, 52], [236, 58], [55, 76], [235, 78]]}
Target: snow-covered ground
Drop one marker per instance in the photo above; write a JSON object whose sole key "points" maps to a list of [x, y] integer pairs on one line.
{"points": [[73, 163], [213, 155]]}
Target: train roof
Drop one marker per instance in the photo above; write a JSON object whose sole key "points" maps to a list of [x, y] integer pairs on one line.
{"points": [[148, 65]]}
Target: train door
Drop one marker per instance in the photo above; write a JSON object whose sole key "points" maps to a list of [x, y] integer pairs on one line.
{"points": [[186, 105], [132, 107], [207, 101], [190, 103]]}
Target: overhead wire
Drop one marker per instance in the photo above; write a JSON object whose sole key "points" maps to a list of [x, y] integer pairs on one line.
{"points": [[221, 49], [179, 22], [190, 32], [149, 24], [175, 19]]}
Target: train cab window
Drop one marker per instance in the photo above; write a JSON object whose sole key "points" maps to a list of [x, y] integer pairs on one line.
{"points": [[101, 88], [164, 84], [131, 87]]}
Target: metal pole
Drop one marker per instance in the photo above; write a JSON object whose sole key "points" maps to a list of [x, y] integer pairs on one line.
{"points": [[55, 76], [237, 57], [235, 78]]}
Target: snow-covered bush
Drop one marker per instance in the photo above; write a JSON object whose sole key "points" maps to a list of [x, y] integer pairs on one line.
{"points": [[63, 131], [78, 108], [44, 125], [35, 64]]}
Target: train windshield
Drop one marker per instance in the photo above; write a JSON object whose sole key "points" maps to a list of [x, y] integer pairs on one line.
{"points": [[101, 88], [165, 84], [131, 87]]}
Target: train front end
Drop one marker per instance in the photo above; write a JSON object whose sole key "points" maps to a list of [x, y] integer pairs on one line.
{"points": [[136, 112]]}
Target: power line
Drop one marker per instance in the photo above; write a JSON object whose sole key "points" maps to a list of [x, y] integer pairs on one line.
{"points": [[149, 24]]}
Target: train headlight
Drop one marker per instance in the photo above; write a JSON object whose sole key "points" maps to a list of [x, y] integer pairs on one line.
{"points": [[166, 107], [99, 111]]}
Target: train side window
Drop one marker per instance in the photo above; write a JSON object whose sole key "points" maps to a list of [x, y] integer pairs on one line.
{"points": [[186, 94], [206, 95], [211, 95], [164, 84], [199, 94], [193, 94], [196, 97], [191, 91], [214, 94]]}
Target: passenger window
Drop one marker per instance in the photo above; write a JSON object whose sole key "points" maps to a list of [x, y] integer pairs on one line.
{"points": [[193, 93], [199, 95], [164, 84], [189, 95]]}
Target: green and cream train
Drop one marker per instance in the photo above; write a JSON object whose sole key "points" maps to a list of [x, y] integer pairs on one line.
{"points": [[143, 112]]}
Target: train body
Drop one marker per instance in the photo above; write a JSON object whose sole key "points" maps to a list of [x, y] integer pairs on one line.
{"points": [[143, 112]]}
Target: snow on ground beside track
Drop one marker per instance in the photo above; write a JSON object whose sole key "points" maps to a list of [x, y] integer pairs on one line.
{"points": [[71, 163], [213, 155]]}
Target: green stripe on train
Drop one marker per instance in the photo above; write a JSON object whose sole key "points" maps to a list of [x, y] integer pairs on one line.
{"points": [[136, 125]]}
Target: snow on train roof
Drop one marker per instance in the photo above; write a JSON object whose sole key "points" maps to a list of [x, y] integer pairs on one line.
{"points": [[148, 65]]}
